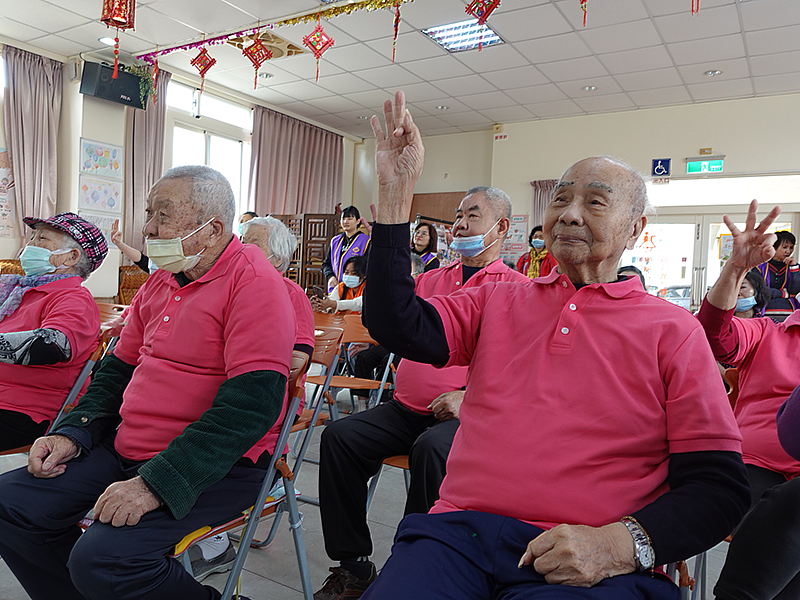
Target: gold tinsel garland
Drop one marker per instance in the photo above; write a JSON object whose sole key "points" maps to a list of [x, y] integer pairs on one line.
{"points": [[346, 9]]}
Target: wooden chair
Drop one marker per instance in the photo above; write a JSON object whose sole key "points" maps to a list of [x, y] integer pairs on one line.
{"points": [[11, 266], [249, 518], [131, 278]]}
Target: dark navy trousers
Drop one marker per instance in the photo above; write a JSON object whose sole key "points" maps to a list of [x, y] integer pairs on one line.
{"points": [[474, 555], [46, 551]]}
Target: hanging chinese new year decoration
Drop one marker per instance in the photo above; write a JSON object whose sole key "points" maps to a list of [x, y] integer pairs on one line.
{"points": [[118, 14], [318, 42], [397, 20], [481, 9], [258, 54], [156, 71], [203, 62], [695, 6], [583, 8]]}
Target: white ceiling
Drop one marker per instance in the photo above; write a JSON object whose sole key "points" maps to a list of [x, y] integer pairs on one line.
{"points": [[638, 53]]}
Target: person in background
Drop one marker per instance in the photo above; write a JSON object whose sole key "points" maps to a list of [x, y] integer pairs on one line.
{"points": [[538, 262], [767, 355], [631, 270], [424, 243], [49, 324], [247, 216], [417, 266], [753, 298], [351, 242], [782, 276], [137, 257], [347, 295]]}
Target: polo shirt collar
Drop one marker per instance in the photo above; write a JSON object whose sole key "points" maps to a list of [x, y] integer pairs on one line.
{"points": [[494, 267], [793, 319], [219, 268], [615, 289]]}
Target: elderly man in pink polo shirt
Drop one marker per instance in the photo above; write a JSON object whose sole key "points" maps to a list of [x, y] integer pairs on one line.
{"points": [[596, 441], [171, 433]]}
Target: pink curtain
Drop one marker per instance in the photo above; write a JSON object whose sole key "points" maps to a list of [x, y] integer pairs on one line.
{"points": [[32, 111], [144, 159], [542, 192], [295, 167]]}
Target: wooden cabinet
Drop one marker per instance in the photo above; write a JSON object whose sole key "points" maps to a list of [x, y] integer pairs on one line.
{"points": [[314, 233]]}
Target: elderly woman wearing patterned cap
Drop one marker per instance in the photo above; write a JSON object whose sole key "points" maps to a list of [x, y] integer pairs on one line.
{"points": [[49, 324]]}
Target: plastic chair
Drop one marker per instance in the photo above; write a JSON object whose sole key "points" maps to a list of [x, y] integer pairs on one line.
{"points": [[401, 462], [249, 518]]}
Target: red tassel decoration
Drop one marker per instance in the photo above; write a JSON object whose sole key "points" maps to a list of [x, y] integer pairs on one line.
{"points": [[397, 20], [116, 56], [583, 8], [695, 6]]}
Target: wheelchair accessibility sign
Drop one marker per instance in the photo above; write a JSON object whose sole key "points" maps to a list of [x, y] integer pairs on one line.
{"points": [[661, 167]]}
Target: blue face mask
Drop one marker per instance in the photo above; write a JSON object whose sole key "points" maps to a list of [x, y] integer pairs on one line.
{"points": [[351, 281], [472, 245], [538, 244], [35, 261], [744, 304]]}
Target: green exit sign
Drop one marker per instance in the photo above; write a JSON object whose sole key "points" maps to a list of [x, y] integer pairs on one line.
{"points": [[704, 166]]}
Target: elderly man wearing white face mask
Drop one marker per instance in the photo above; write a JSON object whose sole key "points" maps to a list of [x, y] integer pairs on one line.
{"points": [[49, 324], [171, 434]]}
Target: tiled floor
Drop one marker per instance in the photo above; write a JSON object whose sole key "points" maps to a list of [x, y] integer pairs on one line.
{"points": [[271, 573]]}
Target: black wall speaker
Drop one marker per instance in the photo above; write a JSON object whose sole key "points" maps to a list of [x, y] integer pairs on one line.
{"points": [[97, 81]]}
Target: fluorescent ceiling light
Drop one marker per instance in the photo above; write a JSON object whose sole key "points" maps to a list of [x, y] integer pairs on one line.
{"points": [[466, 35], [107, 41]]}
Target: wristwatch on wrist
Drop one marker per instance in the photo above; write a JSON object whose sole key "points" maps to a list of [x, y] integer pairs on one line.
{"points": [[643, 553]]}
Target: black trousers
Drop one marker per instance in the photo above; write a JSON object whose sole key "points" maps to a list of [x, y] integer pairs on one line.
{"points": [[352, 450], [763, 561], [18, 429], [43, 547], [370, 364]]}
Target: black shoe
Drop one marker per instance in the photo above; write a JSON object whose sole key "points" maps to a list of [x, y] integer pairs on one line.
{"points": [[341, 584]]}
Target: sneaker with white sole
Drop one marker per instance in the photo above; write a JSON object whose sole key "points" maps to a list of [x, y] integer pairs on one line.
{"points": [[341, 584], [202, 568]]}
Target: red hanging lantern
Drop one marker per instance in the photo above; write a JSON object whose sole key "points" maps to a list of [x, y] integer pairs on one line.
{"points": [[120, 15], [583, 8], [318, 42], [203, 62], [258, 54], [481, 9], [397, 20]]}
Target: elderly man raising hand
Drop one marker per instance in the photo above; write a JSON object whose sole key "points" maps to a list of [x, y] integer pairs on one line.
{"points": [[170, 435], [569, 467]]}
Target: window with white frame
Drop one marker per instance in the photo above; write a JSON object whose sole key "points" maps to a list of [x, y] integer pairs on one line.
{"points": [[208, 130]]}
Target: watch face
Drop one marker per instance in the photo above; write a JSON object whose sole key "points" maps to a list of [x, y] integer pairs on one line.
{"points": [[647, 557]]}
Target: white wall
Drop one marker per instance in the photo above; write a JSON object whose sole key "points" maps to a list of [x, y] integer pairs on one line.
{"points": [[757, 135]]}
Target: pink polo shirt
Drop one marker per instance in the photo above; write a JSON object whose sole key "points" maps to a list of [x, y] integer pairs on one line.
{"points": [[576, 399], [767, 355], [65, 305], [187, 341], [304, 334], [417, 384]]}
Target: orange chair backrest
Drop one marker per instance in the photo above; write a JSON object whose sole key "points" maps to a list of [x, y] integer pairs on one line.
{"points": [[732, 377], [297, 368], [110, 311], [322, 319], [354, 331], [326, 344]]}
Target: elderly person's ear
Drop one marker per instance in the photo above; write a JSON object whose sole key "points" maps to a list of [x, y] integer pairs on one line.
{"points": [[638, 226], [503, 226], [67, 259]]}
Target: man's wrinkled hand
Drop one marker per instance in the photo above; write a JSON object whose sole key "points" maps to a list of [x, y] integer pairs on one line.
{"points": [[580, 555], [48, 455], [125, 502], [446, 407], [754, 245]]}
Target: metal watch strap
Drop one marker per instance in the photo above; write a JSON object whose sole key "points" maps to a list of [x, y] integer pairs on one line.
{"points": [[641, 542]]}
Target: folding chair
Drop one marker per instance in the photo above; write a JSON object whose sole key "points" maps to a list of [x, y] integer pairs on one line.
{"points": [[401, 462], [354, 332], [691, 587], [249, 518]]}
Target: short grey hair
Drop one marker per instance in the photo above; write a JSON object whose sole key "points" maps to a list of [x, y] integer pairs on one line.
{"points": [[211, 193], [498, 201], [417, 266], [282, 241], [83, 267]]}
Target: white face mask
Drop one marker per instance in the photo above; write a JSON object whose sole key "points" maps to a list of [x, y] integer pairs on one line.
{"points": [[168, 254], [351, 281]]}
